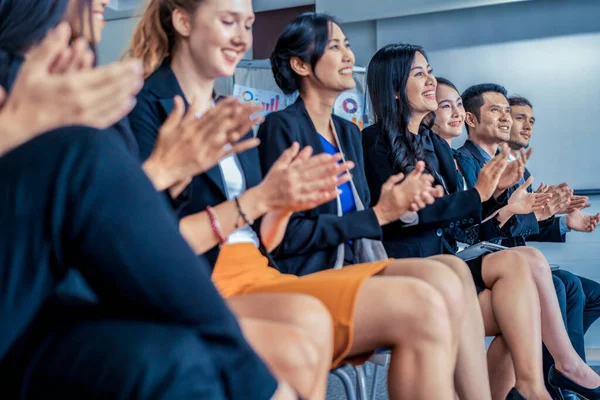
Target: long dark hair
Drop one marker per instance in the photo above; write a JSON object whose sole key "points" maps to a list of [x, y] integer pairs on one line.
{"points": [[387, 75], [305, 37]]}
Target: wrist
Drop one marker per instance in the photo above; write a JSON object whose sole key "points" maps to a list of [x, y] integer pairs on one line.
{"points": [[381, 216], [255, 202], [498, 193], [481, 196], [159, 177]]}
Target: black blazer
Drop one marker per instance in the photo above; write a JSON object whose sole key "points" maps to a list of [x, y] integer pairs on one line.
{"points": [[519, 226], [312, 237], [155, 103], [432, 233]]}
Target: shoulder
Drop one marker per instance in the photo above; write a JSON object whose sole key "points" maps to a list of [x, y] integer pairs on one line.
{"points": [[372, 138], [286, 121]]}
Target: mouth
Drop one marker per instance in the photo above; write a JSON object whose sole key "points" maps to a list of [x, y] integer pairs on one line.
{"points": [[231, 55], [429, 94], [526, 135], [99, 16], [504, 128], [346, 71], [455, 124]]}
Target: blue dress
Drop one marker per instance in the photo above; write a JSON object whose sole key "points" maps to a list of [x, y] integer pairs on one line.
{"points": [[346, 198]]}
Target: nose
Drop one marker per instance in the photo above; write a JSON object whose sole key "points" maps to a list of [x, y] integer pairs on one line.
{"points": [[455, 111], [243, 37], [348, 55], [506, 116], [527, 125], [431, 81]]}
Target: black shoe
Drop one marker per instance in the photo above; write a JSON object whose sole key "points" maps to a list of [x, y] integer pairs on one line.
{"points": [[558, 380], [555, 392], [568, 395], [514, 395]]}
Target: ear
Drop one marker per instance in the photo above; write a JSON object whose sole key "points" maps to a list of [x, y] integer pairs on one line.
{"points": [[300, 67], [181, 22], [470, 119]]}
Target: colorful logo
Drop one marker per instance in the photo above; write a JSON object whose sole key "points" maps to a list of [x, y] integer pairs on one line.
{"points": [[273, 105], [247, 96], [350, 106]]}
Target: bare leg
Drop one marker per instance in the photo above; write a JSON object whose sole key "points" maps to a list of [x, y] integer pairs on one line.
{"points": [[554, 334], [410, 317], [308, 319], [502, 370], [512, 306]]}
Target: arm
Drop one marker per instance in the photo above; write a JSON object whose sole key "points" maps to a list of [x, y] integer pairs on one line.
{"points": [[549, 231]]}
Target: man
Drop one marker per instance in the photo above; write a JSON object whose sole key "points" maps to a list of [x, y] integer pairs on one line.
{"points": [[489, 123]]}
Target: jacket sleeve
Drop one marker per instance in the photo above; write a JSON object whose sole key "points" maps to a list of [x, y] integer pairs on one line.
{"points": [[306, 233], [549, 231], [146, 119]]}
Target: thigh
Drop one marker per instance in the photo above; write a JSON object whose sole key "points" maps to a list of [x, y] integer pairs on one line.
{"points": [[121, 359]]}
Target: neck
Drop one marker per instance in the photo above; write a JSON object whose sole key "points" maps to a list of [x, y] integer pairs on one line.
{"points": [[488, 147], [514, 148], [319, 106], [196, 87], [415, 122]]}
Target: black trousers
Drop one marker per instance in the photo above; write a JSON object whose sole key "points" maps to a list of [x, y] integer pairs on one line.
{"points": [[75, 198]]}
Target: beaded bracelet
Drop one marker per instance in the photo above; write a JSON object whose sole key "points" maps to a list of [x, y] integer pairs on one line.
{"points": [[215, 224]]}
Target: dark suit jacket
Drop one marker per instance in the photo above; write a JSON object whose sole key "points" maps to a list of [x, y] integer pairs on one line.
{"points": [[436, 222], [519, 226], [155, 103], [312, 237]]}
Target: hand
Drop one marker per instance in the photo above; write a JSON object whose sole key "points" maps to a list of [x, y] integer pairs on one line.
{"points": [[578, 221], [298, 181], [413, 194], [187, 146], [490, 174], [514, 171], [576, 203], [561, 196], [56, 86], [523, 202]]}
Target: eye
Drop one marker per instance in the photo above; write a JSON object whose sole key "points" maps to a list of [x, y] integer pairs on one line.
{"points": [[419, 74], [334, 47], [445, 106], [227, 22], [248, 28], [348, 46], [519, 118], [494, 109], [460, 105]]}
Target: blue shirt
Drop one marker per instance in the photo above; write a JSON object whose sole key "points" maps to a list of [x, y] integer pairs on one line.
{"points": [[346, 198]]}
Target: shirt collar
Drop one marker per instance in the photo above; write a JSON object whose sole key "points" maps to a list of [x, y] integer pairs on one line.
{"points": [[484, 154]]}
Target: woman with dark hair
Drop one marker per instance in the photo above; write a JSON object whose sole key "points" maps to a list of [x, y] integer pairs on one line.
{"points": [[186, 46], [403, 91]]}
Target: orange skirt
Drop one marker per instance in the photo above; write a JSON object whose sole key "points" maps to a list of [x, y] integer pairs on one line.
{"points": [[242, 269]]}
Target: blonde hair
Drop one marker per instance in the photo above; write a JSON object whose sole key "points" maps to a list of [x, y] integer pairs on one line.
{"points": [[154, 36]]}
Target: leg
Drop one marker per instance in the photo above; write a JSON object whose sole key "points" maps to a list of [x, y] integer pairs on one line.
{"points": [[513, 300], [57, 205], [574, 306], [554, 332], [410, 317], [591, 312], [471, 378], [502, 370], [303, 314], [548, 361]]}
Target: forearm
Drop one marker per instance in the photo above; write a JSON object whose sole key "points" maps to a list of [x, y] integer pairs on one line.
{"points": [[504, 215], [12, 133], [197, 230], [159, 176], [272, 229]]}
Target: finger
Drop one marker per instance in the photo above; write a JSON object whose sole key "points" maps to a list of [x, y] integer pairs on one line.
{"points": [[2, 96], [419, 168], [242, 146], [419, 202], [127, 74], [174, 119], [80, 49], [427, 197], [393, 180], [304, 155], [62, 61], [54, 42], [288, 155], [528, 182], [439, 191]]}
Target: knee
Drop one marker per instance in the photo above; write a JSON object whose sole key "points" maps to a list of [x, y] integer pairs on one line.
{"points": [[428, 318], [450, 285], [516, 265], [572, 287], [459, 267], [535, 259], [301, 355]]}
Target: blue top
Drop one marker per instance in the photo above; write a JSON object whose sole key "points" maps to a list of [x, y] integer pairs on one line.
{"points": [[346, 197]]}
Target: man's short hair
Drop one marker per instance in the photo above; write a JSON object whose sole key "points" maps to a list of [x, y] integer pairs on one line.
{"points": [[473, 97], [519, 101]]}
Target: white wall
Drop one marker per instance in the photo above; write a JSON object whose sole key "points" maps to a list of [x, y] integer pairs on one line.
{"points": [[115, 39]]}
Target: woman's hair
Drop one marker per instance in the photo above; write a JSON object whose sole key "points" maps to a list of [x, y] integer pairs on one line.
{"points": [[387, 75], [154, 37], [429, 119], [24, 23], [306, 37]]}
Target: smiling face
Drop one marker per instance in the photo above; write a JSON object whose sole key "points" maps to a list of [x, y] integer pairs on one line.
{"points": [[421, 86], [333, 71], [82, 26], [450, 114], [522, 128], [494, 123], [217, 35]]}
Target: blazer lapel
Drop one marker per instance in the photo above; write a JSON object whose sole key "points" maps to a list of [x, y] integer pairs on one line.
{"points": [[474, 152], [447, 166], [249, 161]]}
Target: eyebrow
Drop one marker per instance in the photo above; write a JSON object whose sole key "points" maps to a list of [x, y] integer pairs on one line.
{"points": [[499, 105], [419, 67], [237, 14], [338, 40]]}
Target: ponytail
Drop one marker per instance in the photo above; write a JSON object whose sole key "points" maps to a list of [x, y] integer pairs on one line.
{"points": [[154, 37]]}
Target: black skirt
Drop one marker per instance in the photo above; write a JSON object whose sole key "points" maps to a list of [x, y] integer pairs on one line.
{"points": [[475, 267]]}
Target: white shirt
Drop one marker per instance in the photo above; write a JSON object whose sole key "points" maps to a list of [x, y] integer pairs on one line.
{"points": [[235, 185]]}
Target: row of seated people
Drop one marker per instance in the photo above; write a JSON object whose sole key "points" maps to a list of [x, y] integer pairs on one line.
{"points": [[284, 230]]}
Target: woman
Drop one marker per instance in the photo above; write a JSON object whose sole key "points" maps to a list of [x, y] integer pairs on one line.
{"points": [[447, 124], [52, 206], [305, 337], [202, 41]]}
